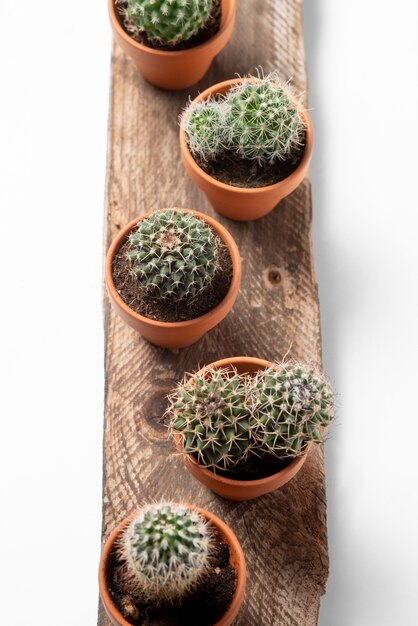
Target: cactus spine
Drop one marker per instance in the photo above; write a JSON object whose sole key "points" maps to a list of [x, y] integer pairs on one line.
{"points": [[167, 22], [173, 254], [167, 549]]}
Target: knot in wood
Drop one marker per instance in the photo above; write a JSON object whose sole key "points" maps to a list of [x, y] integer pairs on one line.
{"points": [[274, 276]]}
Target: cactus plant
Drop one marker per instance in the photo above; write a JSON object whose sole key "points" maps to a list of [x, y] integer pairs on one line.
{"points": [[257, 120], [223, 417], [263, 123], [204, 125], [174, 254], [290, 403], [211, 413], [167, 550], [166, 22]]}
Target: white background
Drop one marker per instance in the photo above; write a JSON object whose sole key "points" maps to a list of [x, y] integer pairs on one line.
{"points": [[362, 61]]}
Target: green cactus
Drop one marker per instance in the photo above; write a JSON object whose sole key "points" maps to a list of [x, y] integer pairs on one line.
{"points": [[210, 412], [223, 416], [167, 550], [167, 22], [290, 405], [257, 119], [204, 125], [173, 254], [263, 122]]}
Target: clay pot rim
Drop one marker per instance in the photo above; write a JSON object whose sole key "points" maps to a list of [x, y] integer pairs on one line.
{"points": [[220, 230], [226, 532], [222, 88], [229, 16], [232, 482]]}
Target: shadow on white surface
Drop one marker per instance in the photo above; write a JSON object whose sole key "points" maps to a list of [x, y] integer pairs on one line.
{"points": [[365, 256], [328, 279]]}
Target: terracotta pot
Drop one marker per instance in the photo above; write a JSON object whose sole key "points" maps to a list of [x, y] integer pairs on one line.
{"points": [[239, 489], [237, 203], [174, 69], [237, 561], [174, 334]]}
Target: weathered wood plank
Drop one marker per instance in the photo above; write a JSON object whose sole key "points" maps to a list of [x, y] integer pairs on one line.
{"points": [[283, 534]]}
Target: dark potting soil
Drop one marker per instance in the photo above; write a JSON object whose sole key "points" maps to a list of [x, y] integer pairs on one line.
{"points": [[203, 607], [255, 466], [204, 34], [230, 169], [142, 302]]}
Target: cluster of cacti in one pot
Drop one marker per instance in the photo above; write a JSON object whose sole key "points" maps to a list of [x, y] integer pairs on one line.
{"points": [[173, 257], [257, 119], [220, 417], [172, 42], [165, 554], [249, 120]]}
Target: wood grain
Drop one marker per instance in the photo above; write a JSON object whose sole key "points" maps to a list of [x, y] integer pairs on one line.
{"points": [[283, 534]]}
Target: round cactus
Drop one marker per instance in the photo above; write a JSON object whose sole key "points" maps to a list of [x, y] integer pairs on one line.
{"points": [[204, 125], [173, 254], [210, 411], [167, 22], [263, 122], [167, 550], [290, 405]]}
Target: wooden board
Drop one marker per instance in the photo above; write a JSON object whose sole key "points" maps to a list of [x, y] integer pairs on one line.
{"points": [[283, 534]]}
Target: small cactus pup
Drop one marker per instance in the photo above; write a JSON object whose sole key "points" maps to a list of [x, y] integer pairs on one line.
{"points": [[164, 563], [293, 405], [254, 152], [205, 128], [210, 413], [172, 42], [173, 274], [244, 425]]}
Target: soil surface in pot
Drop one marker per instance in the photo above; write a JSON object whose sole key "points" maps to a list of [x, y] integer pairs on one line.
{"points": [[232, 170], [204, 607], [204, 34], [164, 310], [255, 467]]}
